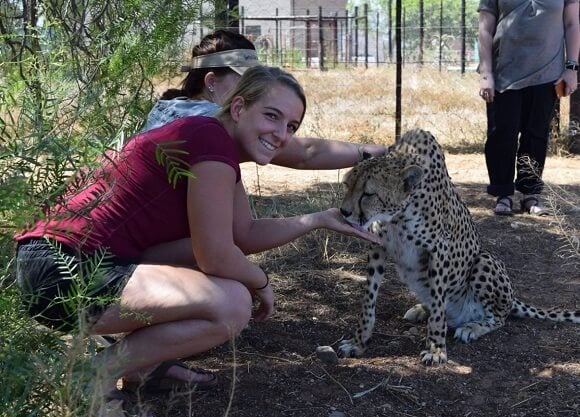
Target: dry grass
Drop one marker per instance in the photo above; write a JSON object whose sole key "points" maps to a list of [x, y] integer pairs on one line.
{"points": [[359, 105]]}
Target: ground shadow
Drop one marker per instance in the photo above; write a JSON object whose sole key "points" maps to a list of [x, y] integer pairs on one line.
{"points": [[527, 368]]}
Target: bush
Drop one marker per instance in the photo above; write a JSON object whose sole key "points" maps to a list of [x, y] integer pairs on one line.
{"points": [[75, 80]]}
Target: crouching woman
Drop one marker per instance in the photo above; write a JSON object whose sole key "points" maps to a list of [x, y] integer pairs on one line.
{"points": [[170, 219]]}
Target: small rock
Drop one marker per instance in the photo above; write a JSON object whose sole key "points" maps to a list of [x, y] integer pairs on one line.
{"points": [[337, 414], [327, 355], [413, 331], [517, 225]]}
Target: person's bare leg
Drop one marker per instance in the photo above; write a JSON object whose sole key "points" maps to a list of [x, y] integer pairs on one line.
{"points": [[168, 313], [177, 252]]}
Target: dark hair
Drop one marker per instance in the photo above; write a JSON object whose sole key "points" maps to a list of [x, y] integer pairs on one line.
{"points": [[218, 41], [257, 82]]}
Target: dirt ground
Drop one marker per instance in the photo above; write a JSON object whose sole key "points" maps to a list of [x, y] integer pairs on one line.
{"points": [[528, 368]]}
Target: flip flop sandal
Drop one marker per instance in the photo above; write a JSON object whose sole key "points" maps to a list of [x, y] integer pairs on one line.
{"points": [[116, 403], [531, 205], [501, 202], [158, 381]]}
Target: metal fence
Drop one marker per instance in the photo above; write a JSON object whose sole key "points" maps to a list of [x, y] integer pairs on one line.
{"points": [[326, 38], [443, 35]]}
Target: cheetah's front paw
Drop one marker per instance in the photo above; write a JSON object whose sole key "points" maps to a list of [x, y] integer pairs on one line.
{"points": [[433, 356], [349, 348]]}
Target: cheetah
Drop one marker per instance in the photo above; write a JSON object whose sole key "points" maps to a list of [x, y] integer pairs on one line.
{"points": [[407, 198]]}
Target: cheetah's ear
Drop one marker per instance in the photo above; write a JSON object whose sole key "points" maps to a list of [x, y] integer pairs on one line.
{"points": [[412, 175]]}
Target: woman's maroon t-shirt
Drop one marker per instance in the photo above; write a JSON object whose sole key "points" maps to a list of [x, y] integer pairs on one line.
{"points": [[130, 204]]}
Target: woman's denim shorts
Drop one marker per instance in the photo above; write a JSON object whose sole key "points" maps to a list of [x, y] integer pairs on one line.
{"points": [[64, 290]]}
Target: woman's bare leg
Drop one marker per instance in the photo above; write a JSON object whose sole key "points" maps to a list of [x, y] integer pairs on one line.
{"points": [[168, 313], [177, 252]]}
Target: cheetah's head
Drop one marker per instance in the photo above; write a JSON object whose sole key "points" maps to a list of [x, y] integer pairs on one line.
{"points": [[377, 189]]}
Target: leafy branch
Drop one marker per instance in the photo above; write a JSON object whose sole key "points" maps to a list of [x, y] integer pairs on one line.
{"points": [[170, 158]]}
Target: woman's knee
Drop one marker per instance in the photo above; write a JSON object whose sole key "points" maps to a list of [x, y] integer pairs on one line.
{"points": [[235, 312]]}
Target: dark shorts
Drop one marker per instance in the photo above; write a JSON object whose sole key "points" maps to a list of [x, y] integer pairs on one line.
{"points": [[63, 290]]}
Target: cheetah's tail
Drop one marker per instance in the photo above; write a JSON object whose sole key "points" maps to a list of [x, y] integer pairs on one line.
{"points": [[523, 310]]}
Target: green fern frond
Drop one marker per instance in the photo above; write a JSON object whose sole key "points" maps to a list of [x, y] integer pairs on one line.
{"points": [[175, 166], [99, 261], [67, 264]]}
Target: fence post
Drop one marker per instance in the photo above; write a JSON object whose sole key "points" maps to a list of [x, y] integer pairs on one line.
{"points": [[399, 75], [366, 17], [320, 40], [404, 33], [340, 42], [242, 22], [277, 48], [293, 35], [335, 34], [421, 30], [440, 33], [356, 35], [201, 20], [463, 37], [347, 38], [308, 38], [390, 31], [377, 41]]}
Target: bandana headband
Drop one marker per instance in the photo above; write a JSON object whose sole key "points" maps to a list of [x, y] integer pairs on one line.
{"points": [[239, 60]]}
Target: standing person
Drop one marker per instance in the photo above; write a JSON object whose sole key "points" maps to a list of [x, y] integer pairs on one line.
{"points": [[177, 281], [216, 66], [525, 48]]}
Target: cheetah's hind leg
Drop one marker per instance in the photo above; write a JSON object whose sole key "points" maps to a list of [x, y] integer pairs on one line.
{"points": [[469, 332], [491, 297]]}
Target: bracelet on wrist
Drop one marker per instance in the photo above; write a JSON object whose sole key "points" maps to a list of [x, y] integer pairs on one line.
{"points": [[571, 65], [267, 282], [362, 154]]}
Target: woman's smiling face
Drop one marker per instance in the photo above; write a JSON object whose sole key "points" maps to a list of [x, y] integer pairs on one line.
{"points": [[267, 125]]}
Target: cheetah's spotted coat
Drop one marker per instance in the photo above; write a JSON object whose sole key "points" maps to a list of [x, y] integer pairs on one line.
{"points": [[407, 198]]}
